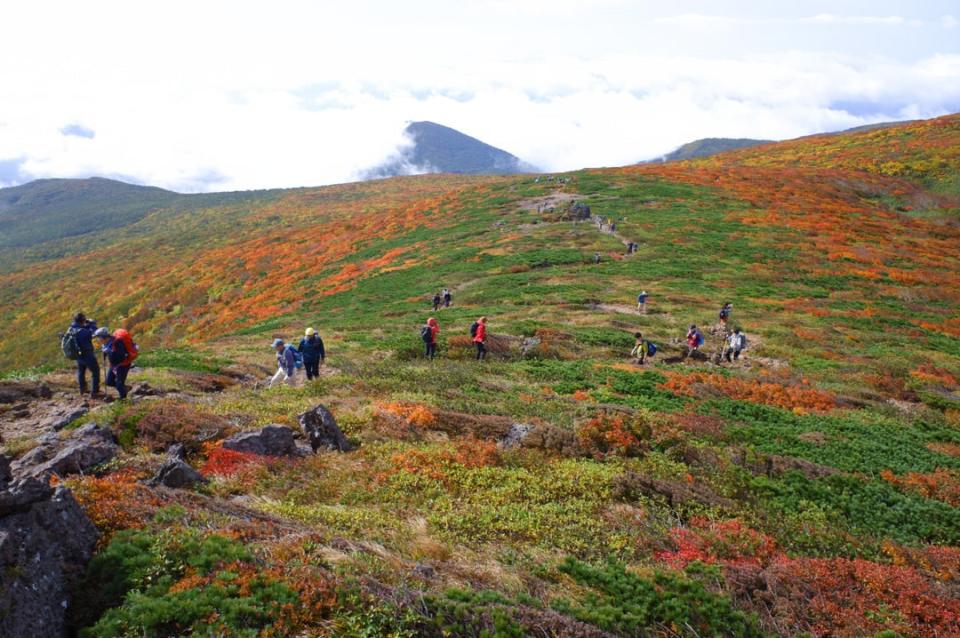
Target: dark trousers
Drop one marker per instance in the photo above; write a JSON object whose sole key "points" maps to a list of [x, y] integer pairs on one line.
{"points": [[84, 363], [312, 368], [481, 350], [735, 354], [117, 378], [430, 350]]}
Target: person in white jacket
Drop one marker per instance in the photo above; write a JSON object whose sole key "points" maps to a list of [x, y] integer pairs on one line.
{"points": [[736, 343]]}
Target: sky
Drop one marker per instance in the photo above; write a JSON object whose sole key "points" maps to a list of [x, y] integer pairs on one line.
{"points": [[212, 96]]}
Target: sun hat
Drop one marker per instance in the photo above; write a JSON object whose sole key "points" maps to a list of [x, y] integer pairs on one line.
{"points": [[277, 342], [310, 332]]}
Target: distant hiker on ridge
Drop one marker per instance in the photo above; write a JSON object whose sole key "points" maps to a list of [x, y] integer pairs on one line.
{"points": [[642, 302], [288, 359], [429, 332], [311, 349], [81, 332], [119, 350], [436, 302], [447, 298], [479, 333]]}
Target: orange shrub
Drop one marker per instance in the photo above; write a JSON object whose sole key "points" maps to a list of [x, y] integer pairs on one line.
{"points": [[790, 397], [115, 501], [614, 434], [414, 414]]}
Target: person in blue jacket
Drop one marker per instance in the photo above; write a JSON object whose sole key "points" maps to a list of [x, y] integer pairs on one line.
{"points": [[83, 330], [311, 349], [286, 363]]}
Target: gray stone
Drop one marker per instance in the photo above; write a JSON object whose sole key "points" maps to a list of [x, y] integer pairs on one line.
{"points": [[46, 541], [60, 418], [88, 447], [177, 474], [270, 440], [322, 430], [515, 435], [5, 474]]}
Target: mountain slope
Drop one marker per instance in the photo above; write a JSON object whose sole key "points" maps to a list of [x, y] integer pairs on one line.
{"points": [[440, 149], [710, 146], [559, 485]]}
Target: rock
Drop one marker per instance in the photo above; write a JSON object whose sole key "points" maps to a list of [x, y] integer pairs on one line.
{"points": [[515, 435], [88, 447], [19, 391], [177, 474], [270, 440], [630, 485], [46, 541], [62, 416], [177, 451], [424, 571], [144, 389], [322, 430], [5, 474]]}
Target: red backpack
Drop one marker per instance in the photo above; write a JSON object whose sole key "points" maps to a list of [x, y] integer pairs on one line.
{"points": [[131, 347]]}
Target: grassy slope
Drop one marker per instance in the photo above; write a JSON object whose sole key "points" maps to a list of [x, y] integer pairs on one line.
{"points": [[842, 275]]}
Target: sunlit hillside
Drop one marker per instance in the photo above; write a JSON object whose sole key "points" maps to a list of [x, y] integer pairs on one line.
{"points": [[558, 488]]}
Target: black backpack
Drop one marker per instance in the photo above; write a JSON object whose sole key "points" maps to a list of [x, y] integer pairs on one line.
{"points": [[69, 345], [473, 328], [426, 334]]}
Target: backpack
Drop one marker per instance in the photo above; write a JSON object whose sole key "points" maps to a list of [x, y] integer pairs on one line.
{"points": [[297, 357], [426, 334], [699, 339], [473, 328], [68, 343], [132, 350], [651, 348]]}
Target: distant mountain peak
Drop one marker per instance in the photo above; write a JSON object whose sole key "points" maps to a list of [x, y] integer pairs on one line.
{"points": [[436, 148]]}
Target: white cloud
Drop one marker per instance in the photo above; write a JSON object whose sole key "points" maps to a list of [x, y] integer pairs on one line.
{"points": [[949, 22], [227, 95]]}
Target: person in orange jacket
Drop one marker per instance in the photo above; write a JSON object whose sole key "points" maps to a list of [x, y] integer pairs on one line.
{"points": [[479, 332]]}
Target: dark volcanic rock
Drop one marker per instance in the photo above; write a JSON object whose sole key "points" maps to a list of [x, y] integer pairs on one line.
{"points": [[322, 430], [270, 440], [46, 541], [88, 447], [177, 474], [5, 473], [15, 391]]}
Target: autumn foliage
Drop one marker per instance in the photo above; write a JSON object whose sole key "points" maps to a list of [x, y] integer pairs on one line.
{"points": [[791, 397]]}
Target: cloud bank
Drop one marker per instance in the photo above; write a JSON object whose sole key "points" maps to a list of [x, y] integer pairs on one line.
{"points": [[223, 96]]}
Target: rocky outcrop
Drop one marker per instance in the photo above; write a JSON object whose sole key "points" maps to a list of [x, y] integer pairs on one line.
{"points": [[322, 430], [630, 485], [88, 447], [6, 475], [46, 541], [270, 440]]}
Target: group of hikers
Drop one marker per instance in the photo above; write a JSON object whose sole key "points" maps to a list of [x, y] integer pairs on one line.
{"points": [[309, 355], [444, 299], [117, 351], [735, 341]]}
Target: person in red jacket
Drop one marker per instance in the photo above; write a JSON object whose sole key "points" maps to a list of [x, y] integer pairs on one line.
{"points": [[429, 334], [479, 332]]}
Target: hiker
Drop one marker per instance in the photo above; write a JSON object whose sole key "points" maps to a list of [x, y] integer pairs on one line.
{"points": [[642, 302], [119, 351], [436, 302], [694, 340], [286, 363], [596, 258], [725, 313], [82, 330], [447, 298], [639, 351], [479, 333], [311, 349], [429, 332], [735, 345]]}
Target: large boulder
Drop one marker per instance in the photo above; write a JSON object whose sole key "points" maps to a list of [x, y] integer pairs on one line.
{"points": [[322, 430], [46, 541], [270, 440], [88, 447], [17, 391]]}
